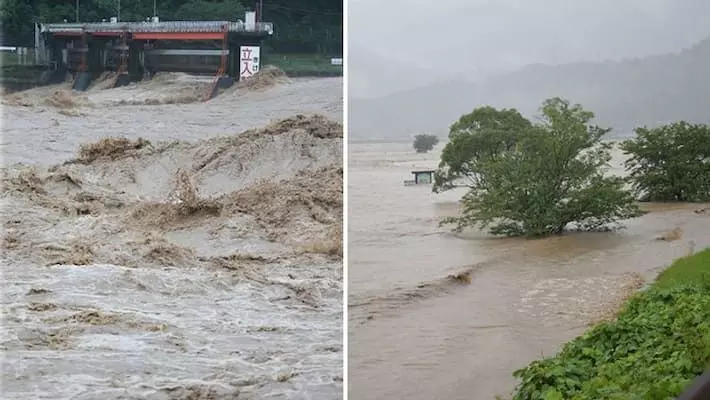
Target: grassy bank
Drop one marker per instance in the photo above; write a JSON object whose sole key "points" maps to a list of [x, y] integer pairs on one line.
{"points": [[295, 65], [658, 344]]}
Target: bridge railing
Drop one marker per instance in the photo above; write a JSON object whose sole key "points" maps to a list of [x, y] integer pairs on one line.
{"points": [[163, 26]]}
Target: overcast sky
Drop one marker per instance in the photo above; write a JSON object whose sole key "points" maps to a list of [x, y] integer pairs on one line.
{"points": [[471, 38]]}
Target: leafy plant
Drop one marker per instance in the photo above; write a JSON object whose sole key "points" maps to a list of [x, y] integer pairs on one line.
{"points": [[670, 163], [423, 142], [659, 342], [533, 180]]}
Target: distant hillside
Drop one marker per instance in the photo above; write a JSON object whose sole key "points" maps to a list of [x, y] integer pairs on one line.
{"points": [[622, 94], [372, 75]]}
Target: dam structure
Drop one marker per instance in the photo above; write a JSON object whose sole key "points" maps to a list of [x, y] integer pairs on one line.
{"points": [[229, 50]]}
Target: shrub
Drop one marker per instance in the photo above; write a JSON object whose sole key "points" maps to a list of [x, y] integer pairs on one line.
{"points": [[657, 345], [670, 163], [423, 142], [533, 180]]}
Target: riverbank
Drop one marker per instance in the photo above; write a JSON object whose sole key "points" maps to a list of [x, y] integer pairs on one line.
{"points": [[656, 346], [417, 334]]}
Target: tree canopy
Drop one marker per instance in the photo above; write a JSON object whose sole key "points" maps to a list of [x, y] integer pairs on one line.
{"points": [[671, 162], [300, 26], [534, 180], [477, 137], [424, 142]]}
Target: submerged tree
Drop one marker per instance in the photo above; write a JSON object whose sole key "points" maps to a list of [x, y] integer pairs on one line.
{"points": [[534, 180], [671, 162], [423, 142], [477, 137]]}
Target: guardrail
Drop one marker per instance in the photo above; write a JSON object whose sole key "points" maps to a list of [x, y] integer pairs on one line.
{"points": [[699, 389], [20, 55]]}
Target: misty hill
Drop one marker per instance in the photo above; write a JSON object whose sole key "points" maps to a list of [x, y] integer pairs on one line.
{"points": [[622, 94], [370, 74]]}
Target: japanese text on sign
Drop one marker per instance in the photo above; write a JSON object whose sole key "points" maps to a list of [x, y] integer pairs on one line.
{"points": [[248, 61]]}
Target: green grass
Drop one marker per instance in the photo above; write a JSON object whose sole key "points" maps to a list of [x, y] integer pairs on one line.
{"points": [[657, 345], [295, 65], [686, 271]]}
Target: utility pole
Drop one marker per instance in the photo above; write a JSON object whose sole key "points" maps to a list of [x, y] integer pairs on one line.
{"points": [[259, 10], [155, 8], [77, 11], [119, 11]]}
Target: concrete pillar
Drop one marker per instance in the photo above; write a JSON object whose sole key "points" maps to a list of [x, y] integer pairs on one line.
{"points": [[135, 69], [83, 78]]}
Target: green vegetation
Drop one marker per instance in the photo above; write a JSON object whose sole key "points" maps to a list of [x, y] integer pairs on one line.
{"points": [[475, 138], [658, 343], [304, 64], [533, 179], [670, 163], [687, 271], [423, 142], [306, 32]]}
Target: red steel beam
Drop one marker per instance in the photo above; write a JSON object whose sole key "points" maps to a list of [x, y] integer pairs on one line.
{"points": [[106, 34], [178, 35]]}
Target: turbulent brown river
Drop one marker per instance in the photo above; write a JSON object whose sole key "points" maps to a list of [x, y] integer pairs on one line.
{"points": [[415, 334], [199, 262]]}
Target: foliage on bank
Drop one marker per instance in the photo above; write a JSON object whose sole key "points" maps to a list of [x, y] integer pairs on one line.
{"points": [[657, 345], [671, 162], [533, 179]]}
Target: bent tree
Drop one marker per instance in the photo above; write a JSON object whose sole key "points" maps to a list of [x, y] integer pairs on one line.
{"points": [[533, 179]]}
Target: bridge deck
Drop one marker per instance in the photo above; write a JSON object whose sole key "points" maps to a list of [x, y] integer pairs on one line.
{"points": [[163, 27]]}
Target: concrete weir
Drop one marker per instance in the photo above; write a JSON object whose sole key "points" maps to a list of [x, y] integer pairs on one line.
{"points": [[222, 82], [136, 50], [82, 81]]}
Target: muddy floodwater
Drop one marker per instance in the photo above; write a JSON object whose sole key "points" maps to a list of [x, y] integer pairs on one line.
{"points": [[195, 256], [415, 334]]}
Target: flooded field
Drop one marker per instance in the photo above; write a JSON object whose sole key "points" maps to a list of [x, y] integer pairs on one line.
{"points": [[415, 333], [198, 257]]}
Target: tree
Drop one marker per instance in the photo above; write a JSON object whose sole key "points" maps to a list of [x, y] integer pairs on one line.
{"points": [[423, 142], [671, 162], [15, 16], [536, 179], [477, 137], [202, 10]]}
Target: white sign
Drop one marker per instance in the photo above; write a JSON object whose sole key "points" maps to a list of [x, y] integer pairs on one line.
{"points": [[336, 61], [249, 58]]}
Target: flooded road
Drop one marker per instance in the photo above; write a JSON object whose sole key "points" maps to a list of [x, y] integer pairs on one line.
{"points": [[415, 334]]}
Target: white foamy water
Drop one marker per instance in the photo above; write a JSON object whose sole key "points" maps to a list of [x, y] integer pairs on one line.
{"points": [[205, 306]]}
